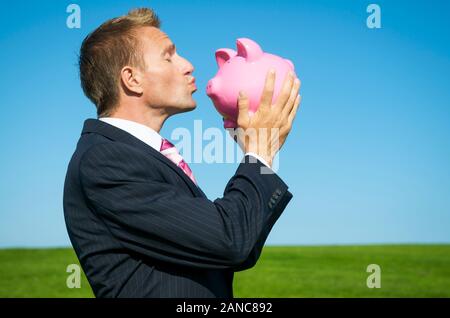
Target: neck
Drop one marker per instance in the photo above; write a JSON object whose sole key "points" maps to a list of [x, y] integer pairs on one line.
{"points": [[149, 117]]}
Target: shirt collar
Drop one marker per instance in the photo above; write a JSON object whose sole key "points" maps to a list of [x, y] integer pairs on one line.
{"points": [[141, 132]]}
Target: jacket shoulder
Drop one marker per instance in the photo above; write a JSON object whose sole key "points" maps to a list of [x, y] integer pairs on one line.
{"points": [[85, 144]]}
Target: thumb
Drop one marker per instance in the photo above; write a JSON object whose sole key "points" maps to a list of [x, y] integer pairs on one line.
{"points": [[243, 105]]}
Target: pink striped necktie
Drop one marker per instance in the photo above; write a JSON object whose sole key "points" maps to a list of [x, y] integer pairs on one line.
{"points": [[170, 152]]}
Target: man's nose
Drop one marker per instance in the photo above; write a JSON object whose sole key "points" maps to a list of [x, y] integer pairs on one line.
{"points": [[188, 68]]}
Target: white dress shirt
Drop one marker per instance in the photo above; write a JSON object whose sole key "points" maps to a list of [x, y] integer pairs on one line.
{"points": [[141, 132], [148, 135]]}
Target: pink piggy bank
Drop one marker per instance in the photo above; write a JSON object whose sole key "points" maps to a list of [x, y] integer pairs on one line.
{"points": [[244, 70]]}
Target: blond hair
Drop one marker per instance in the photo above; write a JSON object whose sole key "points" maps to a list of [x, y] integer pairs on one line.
{"points": [[106, 50]]}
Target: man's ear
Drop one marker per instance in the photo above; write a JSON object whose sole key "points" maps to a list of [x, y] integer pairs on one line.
{"points": [[131, 79]]}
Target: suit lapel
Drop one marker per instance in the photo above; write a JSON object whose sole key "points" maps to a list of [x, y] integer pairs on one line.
{"points": [[114, 133]]}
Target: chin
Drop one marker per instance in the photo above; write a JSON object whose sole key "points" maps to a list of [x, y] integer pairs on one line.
{"points": [[191, 105], [190, 108], [194, 105], [187, 107]]}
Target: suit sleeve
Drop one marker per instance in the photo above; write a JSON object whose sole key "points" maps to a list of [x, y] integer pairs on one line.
{"points": [[157, 220], [255, 253]]}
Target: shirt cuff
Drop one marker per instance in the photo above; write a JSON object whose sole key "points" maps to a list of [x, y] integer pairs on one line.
{"points": [[257, 157]]}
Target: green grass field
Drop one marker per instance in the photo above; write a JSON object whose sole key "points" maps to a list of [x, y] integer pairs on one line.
{"points": [[328, 271]]}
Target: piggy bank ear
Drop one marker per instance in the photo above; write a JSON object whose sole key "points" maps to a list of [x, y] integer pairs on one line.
{"points": [[223, 55], [248, 49]]}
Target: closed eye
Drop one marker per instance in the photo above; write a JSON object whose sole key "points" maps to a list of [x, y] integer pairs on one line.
{"points": [[168, 52], [168, 57]]}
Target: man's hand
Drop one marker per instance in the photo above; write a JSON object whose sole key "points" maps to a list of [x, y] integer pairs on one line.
{"points": [[265, 132]]}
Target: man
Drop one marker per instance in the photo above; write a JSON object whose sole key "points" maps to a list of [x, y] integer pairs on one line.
{"points": [[137, 219]]}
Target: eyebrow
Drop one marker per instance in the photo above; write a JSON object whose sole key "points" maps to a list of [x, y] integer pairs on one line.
{"points": [[171, 48]]}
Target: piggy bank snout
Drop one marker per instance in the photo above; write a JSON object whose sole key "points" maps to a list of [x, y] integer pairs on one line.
{"points": [[211, 87]]}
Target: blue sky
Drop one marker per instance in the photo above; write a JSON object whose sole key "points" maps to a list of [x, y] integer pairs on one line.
{"points": [[368, 159]]}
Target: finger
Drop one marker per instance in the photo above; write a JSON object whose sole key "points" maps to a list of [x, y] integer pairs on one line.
{"points": [[285, 92], [292, 114], [287, 108], [243, 106], [267, 94]]}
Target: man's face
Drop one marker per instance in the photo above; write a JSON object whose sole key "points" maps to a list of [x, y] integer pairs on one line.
{"points": [[167, 80]]}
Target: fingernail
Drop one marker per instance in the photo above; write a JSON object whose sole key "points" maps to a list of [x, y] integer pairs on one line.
{"points": [[297, 81], [272, 71]]}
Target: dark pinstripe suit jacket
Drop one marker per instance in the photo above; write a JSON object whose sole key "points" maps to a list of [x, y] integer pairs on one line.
{"points": [[141, 228]]}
